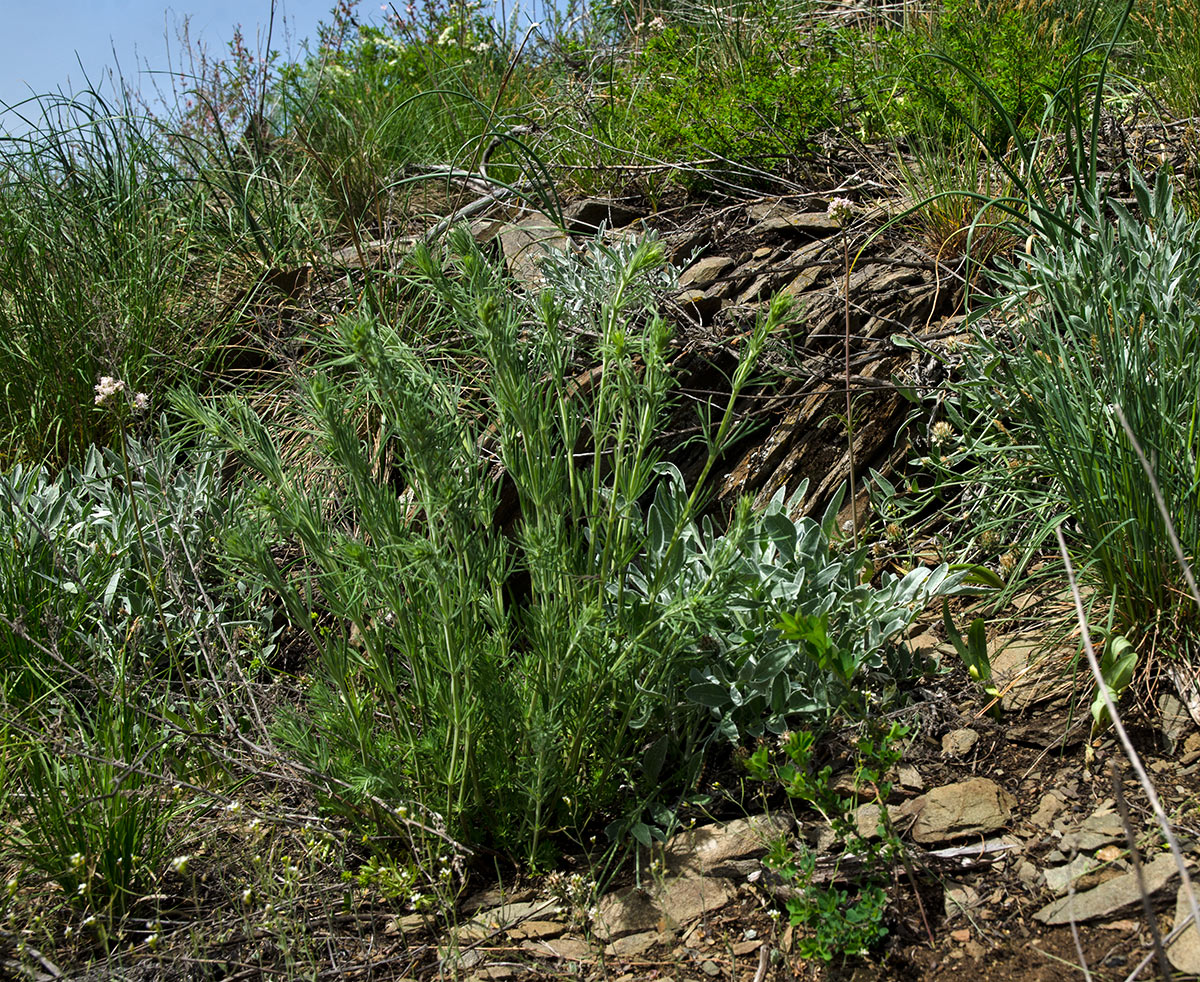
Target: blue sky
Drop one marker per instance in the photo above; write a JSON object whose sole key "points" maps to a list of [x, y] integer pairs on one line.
{"points": [[39, 44]]}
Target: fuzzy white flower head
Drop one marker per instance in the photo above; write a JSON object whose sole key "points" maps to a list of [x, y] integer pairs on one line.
{"points": [[180, 864], [840, 210], [141, 402], [106, 388]]}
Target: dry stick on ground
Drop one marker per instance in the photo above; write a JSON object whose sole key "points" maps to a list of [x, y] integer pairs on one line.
{"points": [[1135, 857], [840, 211], [1176, 931], [1135, 761], [849, 401]]}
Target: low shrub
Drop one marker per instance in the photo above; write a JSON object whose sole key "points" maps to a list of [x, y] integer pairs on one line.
{"points": [[465, 668], [681, 96], [1015, 52]]}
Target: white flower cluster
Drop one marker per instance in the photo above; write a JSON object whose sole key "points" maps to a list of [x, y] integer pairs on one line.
{"points": [[840, 210], [107, 388]]}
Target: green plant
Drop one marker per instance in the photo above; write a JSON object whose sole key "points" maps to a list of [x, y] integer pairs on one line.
{"points": [[1016, 52], [757, 95], [978, 484], [1116, 671], [1170, 30], [372, 108], [838, 920], [519, 668], [812, 636], [1107, 314], [973, 651], [952, 178], [95, 820], [98, 244]]}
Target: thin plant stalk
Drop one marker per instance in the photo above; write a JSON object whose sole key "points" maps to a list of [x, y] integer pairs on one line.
{"points": [[1135, 761], [849, 401]]}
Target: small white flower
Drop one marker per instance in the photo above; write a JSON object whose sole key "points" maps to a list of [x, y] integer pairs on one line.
{"points": [[180, 864], [247, 895], [141, 402], [840, 210], [942, 432], [106, 388], [76, 860]]}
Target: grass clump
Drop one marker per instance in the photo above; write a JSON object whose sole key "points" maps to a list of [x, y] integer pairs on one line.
{"points": [[97, 276], [1099, 317]]}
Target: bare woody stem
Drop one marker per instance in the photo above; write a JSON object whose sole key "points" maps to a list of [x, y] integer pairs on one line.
{"points": [[849, 403]]}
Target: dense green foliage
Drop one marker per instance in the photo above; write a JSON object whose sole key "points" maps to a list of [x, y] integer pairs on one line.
{"points": [[429, 548]]}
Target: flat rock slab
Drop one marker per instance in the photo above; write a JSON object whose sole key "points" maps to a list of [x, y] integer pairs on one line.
{"points": [[1184, 951], [585, 216], [971, 807], [488, 922], [712, 847], [1060, 878], [568, 949], [632, 945], [808, 222], [958, 743], [1025, 672], [526, 242], [1098, 829], [1048, 807], [705, 272], [1111, 896], [959, 898], [532, 930], [679, 900]]}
